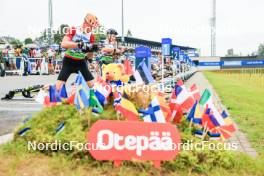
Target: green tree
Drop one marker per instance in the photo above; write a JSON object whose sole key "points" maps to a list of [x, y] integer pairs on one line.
{"points": [[28, 41], [16, 42], [60, 33], [261, 49]]}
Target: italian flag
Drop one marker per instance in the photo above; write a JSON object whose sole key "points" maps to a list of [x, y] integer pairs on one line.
{"points": [[207, 101]]}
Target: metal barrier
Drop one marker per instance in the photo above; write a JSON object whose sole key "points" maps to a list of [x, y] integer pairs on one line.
{"points": [[34, 68]]}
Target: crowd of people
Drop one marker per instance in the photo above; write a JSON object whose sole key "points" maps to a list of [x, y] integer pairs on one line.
{"points": [[10, 57]]}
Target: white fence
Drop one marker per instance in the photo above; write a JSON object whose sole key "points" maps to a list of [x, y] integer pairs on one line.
{"points": [[34, 68]]}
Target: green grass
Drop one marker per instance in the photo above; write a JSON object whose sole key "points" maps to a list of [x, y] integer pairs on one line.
{"points": [[243, 95], [15, 159]]}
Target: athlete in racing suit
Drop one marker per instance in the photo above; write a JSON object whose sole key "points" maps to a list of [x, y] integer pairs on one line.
{"points": [[79, 43]]}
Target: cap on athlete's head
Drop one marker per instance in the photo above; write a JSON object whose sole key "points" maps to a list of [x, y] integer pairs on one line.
{"points": [[90, 22], [111, 32]]}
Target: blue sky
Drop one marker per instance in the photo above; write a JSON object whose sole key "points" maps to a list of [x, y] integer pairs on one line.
{"points": [[239, 22]]}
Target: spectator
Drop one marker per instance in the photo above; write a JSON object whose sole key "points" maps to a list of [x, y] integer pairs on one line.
{"points": [[27, 69], [12, 59]]}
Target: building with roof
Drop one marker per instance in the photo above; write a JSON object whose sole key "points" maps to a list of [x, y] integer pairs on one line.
{"points": [[131, 43]]}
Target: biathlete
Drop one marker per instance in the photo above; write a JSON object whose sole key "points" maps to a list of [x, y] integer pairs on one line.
{"points": [[80, 45], [110, 49]]}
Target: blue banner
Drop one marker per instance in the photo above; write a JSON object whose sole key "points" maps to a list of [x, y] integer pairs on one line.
{"points": [[209, 63], [176, 52], [166, 41], [166, 46], [238, 63], [142, 52], [253, 63], [181, 56]]}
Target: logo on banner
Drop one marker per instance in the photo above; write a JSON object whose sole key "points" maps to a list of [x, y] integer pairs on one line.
{"points": [[166, 46], [124, 140]]}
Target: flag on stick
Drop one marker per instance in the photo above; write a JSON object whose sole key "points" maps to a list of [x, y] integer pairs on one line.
{"points": [[81, 99], [153, 113], [125, 107]]}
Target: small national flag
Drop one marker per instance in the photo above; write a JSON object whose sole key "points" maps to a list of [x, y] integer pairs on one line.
{"points": [[153, 113], [227, 119], [102, 92], [182, 96], [164, 106], [63, 92], [207, 100], [143, 74], [199, 134], [195, 114], [214, 136], [195, 92], [23, 131], [94, 103], [60, 127], [81, 99], [54, 95], [125, 107], [208, 119], [40, 98], [226, 130], [127, 67], [53, 98], [181, 101], [26, 119]]}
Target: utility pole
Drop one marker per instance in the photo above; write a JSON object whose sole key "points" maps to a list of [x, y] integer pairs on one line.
{"points": [[50, 23], [213, 29], [123, 38]]}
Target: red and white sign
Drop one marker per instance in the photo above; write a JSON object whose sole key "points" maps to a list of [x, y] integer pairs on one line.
{"points": [[131, 140]]}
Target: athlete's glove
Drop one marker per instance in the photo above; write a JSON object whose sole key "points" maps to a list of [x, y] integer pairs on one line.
{"points": [[87, 47]]}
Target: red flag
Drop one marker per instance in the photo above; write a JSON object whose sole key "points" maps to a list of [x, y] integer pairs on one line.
{"points": [[125, 107], [181, 101], [195, 92], [127, 67], [164, 106]]}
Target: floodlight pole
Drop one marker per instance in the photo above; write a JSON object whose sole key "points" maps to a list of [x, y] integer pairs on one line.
{"points": [[122, 11]]}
